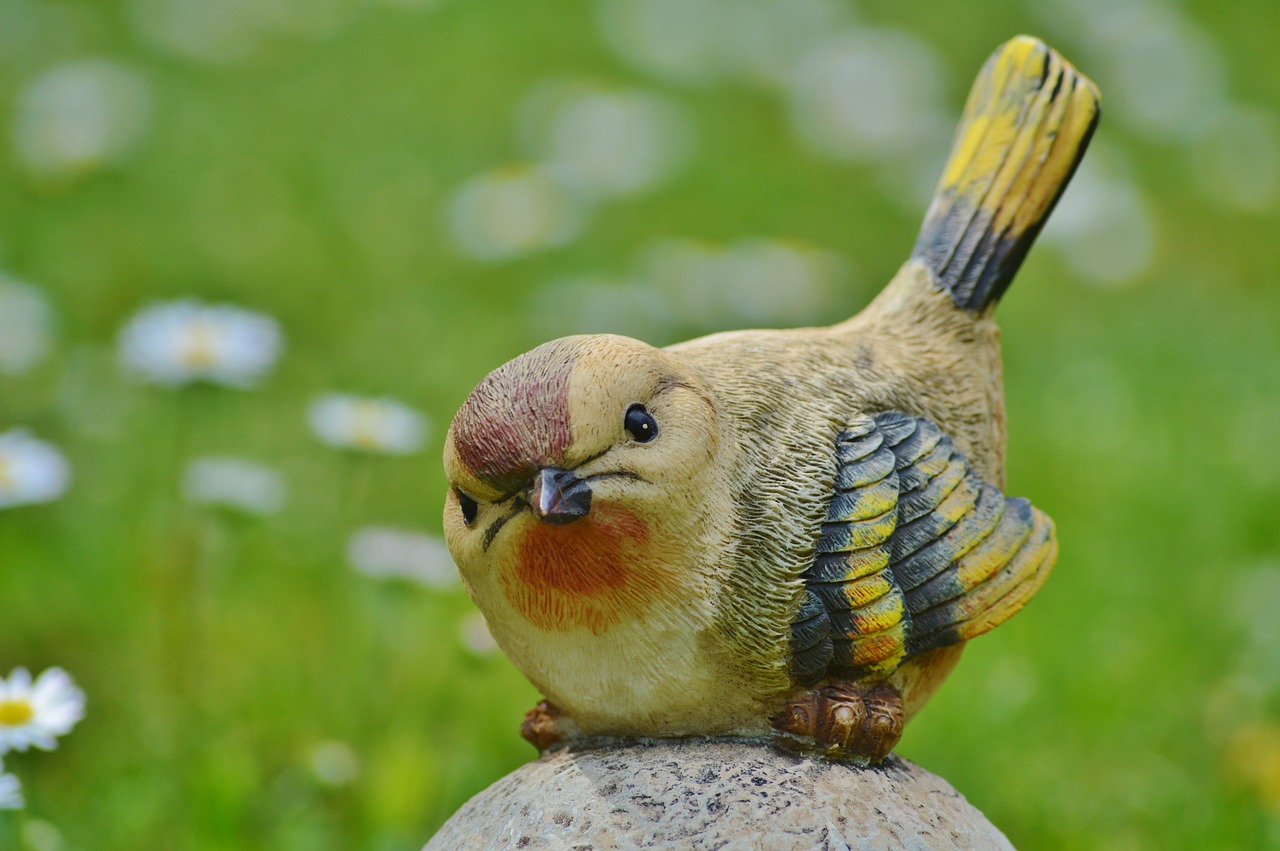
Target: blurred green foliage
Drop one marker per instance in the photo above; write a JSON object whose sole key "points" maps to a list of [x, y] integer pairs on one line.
{"points": [[1136, 703]]}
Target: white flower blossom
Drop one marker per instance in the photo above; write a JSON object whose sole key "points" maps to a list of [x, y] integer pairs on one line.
{"points": [[383, 552], [678, 39], [10, 791], [37, 713], [596, 304], [176, 343], [77, 117], [605, 141], [750, 281], [234, 483], [40, 835], [1162, 71], [334, 763], [866, 95], [475, 635], [368, 424], [25, 321], [31, 470], [512, 211], [764, 39], [230, 31], [1237, 160], [1102, 227], [700, 41]]}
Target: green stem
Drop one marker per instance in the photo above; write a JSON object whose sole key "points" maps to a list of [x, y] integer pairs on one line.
{"points": [[9, 828]]}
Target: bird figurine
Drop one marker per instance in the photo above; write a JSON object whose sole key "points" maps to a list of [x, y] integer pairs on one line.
{"points": [[784, 534]]}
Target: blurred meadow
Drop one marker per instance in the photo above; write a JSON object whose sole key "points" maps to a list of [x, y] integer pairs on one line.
{"points": [[255, 253]]}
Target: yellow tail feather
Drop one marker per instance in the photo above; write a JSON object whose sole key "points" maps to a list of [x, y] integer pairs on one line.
{"points": [[1025, 128]]}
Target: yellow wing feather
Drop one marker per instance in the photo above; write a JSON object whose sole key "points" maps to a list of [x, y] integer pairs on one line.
{"points": [[916, 553]]}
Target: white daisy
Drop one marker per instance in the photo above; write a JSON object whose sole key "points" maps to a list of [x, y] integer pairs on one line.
{"points": [[595, 304], [605, 141], [750, 281], [414, 5], [10, 791], [81, 116], [371, 425], [383, 552], [699, 41], [40, 835], [1237, 161], [512, 211], [784, 282], [1163, 72], [176, 343], [475, 634], [31, 471], [677, 39], [37, 713], [25, 320], [865, 94], [1102, 227], [764, 39], [229, 31], [234, 483], [334, 763]]}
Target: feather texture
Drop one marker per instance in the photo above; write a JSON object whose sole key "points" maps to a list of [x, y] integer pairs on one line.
{"points": [[916, 553]]}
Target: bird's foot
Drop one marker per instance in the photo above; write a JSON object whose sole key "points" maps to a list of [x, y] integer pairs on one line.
{"points": [[843, 721], [542, 726]]}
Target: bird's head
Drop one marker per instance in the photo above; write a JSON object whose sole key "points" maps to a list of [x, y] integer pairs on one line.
{"points": [[576, 470]]}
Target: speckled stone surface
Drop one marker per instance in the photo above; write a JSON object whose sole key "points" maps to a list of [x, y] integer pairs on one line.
{"points": [[715, 795]]}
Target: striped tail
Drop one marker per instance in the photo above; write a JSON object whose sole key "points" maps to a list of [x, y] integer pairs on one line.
{"points": [[1024, 130]]}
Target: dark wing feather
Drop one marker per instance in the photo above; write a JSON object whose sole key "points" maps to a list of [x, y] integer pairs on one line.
{"points": [[916, 553], [810, 639]]}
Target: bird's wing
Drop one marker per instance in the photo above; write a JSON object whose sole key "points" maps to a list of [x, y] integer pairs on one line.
{"points": [[916, 552]]}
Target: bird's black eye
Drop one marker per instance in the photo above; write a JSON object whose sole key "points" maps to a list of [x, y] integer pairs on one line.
{"points": [[468, 506], [640, 424]]}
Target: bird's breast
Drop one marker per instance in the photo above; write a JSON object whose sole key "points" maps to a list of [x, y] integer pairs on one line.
{"points": [[591, 573]]}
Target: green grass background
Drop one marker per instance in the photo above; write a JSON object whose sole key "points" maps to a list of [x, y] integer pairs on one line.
{"points": [[1133, 705]]}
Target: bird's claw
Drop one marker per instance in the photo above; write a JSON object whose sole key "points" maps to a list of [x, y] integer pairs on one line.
{"points": [[844, 721], [541, 726], [885, 720]]}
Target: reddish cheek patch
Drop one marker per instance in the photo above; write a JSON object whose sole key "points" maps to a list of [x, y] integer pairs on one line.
{"points": [[590, 574]]}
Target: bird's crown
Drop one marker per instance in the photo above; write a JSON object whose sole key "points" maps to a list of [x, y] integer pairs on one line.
{"points": [[561, 404]]}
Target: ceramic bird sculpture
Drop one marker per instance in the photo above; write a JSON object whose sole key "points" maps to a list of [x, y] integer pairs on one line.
{"points": [[785, 534]]}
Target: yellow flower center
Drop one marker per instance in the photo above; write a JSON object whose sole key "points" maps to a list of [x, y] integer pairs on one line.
{"points": [[15, 712], [201, 347], [368, 431], [6, 474]]}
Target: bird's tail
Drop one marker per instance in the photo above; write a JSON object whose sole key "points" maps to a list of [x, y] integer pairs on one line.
{"points": [[1024, 130]]}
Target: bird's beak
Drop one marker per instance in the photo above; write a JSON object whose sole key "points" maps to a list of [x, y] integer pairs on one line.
{"points": [[558, 496]]}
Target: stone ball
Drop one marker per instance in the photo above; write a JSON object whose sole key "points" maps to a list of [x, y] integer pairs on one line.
{"points": [[714, 794]]}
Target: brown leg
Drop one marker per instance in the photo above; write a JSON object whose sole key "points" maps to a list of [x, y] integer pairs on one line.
{"points": [[541, 727], [843, 720]]}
